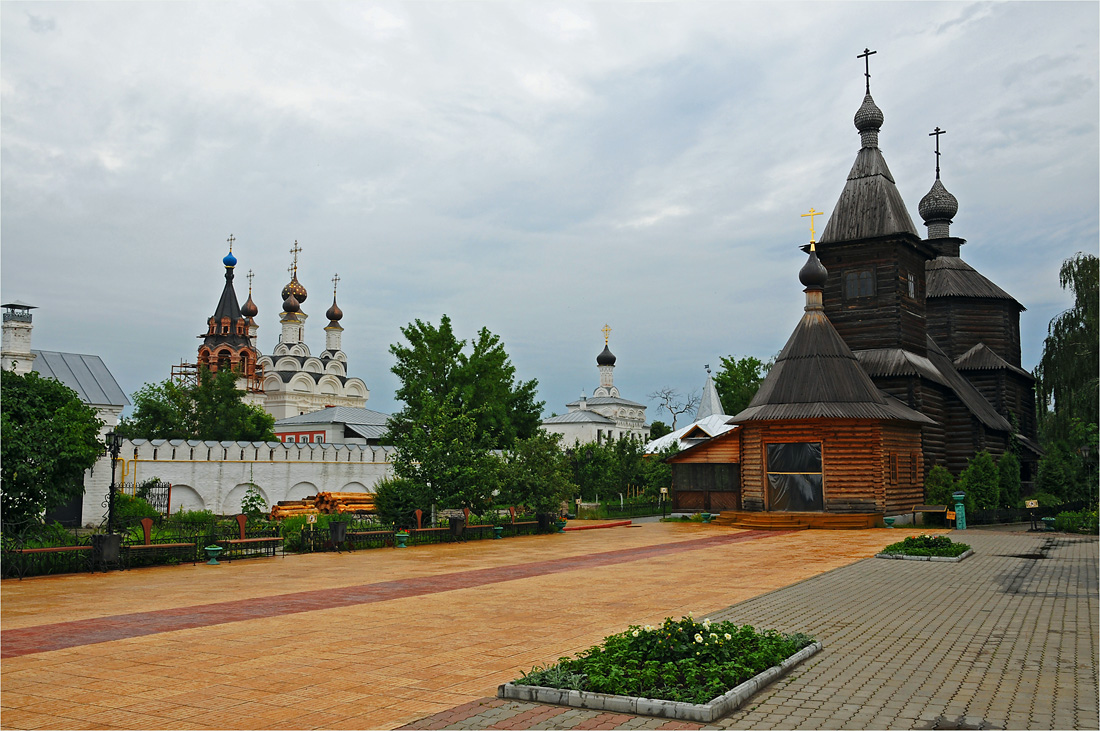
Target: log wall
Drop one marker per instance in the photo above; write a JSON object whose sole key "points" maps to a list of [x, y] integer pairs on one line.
{"points": [[957, 324]]}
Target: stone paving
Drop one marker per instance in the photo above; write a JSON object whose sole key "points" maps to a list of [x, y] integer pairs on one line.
{"points": [[371, 639], [1007, 638]]}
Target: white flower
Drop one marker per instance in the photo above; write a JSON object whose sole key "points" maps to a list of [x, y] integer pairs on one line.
{"points": [[728, 636], [689, 614], [634, 633], [713, 636], [649, 628], [706, 622], [699, 638]]}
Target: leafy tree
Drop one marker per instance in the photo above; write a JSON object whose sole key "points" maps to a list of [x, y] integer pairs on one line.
{"points": [[619, 466], [738, 380], [1067, 375], [1008, 469], [981, 481], [481, 384], [48, 437], [438, 453], [1068, 469], [396, 501], [536, 473], [671, 401], [658, 429], [212, 409]]}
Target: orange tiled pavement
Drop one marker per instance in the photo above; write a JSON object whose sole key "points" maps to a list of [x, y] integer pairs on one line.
{"points": [[386, 662]]}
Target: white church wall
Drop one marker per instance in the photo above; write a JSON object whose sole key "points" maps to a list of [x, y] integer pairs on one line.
{"points": [[214, 475]]}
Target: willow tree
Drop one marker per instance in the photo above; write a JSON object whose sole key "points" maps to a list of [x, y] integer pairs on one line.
{"points": [[1066, 378]]}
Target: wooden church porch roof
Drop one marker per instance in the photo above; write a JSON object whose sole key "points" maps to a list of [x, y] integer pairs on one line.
{"points": [[950, 276], [982, 358]]}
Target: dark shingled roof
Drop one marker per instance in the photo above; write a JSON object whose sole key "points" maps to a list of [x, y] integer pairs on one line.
{"points": [[982, 358], [870, 204], [971, 398], [816, 376], [884, 362], [950, 276]]}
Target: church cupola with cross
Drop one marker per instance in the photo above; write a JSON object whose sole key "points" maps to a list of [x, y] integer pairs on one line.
{"points": [[875, 257], [226, 343], [333, 330], [605, 362], [293, 320]]}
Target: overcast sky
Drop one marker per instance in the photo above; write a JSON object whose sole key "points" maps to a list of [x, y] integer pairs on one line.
{"points": [[539, 169]]}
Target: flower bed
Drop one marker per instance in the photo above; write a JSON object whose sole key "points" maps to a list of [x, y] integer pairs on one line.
{"points": [[925, 546], [684, 661]]}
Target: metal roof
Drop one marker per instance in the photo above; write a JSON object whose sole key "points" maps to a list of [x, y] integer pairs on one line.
{"points": [[950, 276], [689, 435], [85, 374], [580, 416], [348, 415], [608, 400], [709, 403]]}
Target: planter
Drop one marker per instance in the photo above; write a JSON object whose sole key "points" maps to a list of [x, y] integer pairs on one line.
{"points": [[889, 521], [212, 553], [706, 517], [721, 706], [338, 531], [560, 525], [402, 538], [498, 530]]}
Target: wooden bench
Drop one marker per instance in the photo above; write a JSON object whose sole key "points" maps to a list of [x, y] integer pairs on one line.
{"points": [[16, 564], [385, 537], [516, 525], [941, 509], [180, 550], [265, 544], [481, 529], [430, 533]]}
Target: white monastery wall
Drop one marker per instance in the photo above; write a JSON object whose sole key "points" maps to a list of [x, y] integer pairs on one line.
{"points": [[214, 475]]}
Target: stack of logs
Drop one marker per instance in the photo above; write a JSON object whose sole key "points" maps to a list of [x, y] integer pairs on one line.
{"points": [[325, 502]]}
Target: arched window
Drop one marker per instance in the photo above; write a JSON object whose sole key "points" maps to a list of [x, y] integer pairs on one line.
{"points": [[224, 360]]}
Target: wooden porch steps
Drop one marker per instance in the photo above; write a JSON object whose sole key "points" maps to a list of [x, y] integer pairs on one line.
{"points": [[798, 521]]}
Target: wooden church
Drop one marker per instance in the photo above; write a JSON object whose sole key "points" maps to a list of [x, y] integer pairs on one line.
{"points": [[905, 358]]}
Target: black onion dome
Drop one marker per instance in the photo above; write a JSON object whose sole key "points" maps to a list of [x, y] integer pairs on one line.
{"points": [[295, 287], [813, 273], [939, 204], [249, 308], [869, 116], [334, 313], [606, 358], [290, 304]]}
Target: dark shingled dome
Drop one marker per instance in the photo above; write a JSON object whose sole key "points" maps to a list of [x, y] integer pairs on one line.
{"points": [[869, 116], [938, 204]]}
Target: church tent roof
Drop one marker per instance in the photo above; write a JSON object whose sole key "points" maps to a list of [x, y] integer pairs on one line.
{"points": [[950, 276], [870, 204], [709, 403], [816, 376]]}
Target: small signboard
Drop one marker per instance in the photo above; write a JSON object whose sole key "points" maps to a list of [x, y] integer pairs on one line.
{"points": [[311, 519], [1031, 504], [664, 490], [950, 514], [578, 501]]}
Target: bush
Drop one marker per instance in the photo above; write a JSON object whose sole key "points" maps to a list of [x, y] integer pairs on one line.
{"points": [[130, 509], [685, 660], [397, 499], [1046, 500], [923, 545], [1008, 469], [1082, 521], [981, 482], [253, 504], [190, 517]]}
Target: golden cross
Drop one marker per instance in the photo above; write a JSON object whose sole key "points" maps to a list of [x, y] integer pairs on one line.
{"points": [[606, 329], [294, 250], [231, 240], [813, 233], [335, 281]]}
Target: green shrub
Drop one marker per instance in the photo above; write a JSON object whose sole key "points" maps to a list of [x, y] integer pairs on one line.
{"points": [[981, 482], [397, 499], [252, 503], [1008, 470], [685, 660], [923, 545], [1082, 521], [130, 509], [191, 517], [1046, 500]]}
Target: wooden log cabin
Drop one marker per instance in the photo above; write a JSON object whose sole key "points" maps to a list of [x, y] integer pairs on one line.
{"points": [[818, 439]]}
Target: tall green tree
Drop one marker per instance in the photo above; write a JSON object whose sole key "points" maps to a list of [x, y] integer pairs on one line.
{"points": [[738, 379], [1067, 375], [48, 437], [479, 380], [212, 409], [536, 474]]}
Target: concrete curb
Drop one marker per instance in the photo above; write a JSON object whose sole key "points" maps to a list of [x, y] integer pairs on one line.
{"points": [[947, 559], [601, 525], [698, 712]]}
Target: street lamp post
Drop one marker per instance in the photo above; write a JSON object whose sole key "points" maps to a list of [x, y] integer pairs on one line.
{"points": [[113, 446]]}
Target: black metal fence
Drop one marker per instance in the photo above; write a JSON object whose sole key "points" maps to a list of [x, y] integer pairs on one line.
{"points": [[611, 511], [1024, 515]]}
